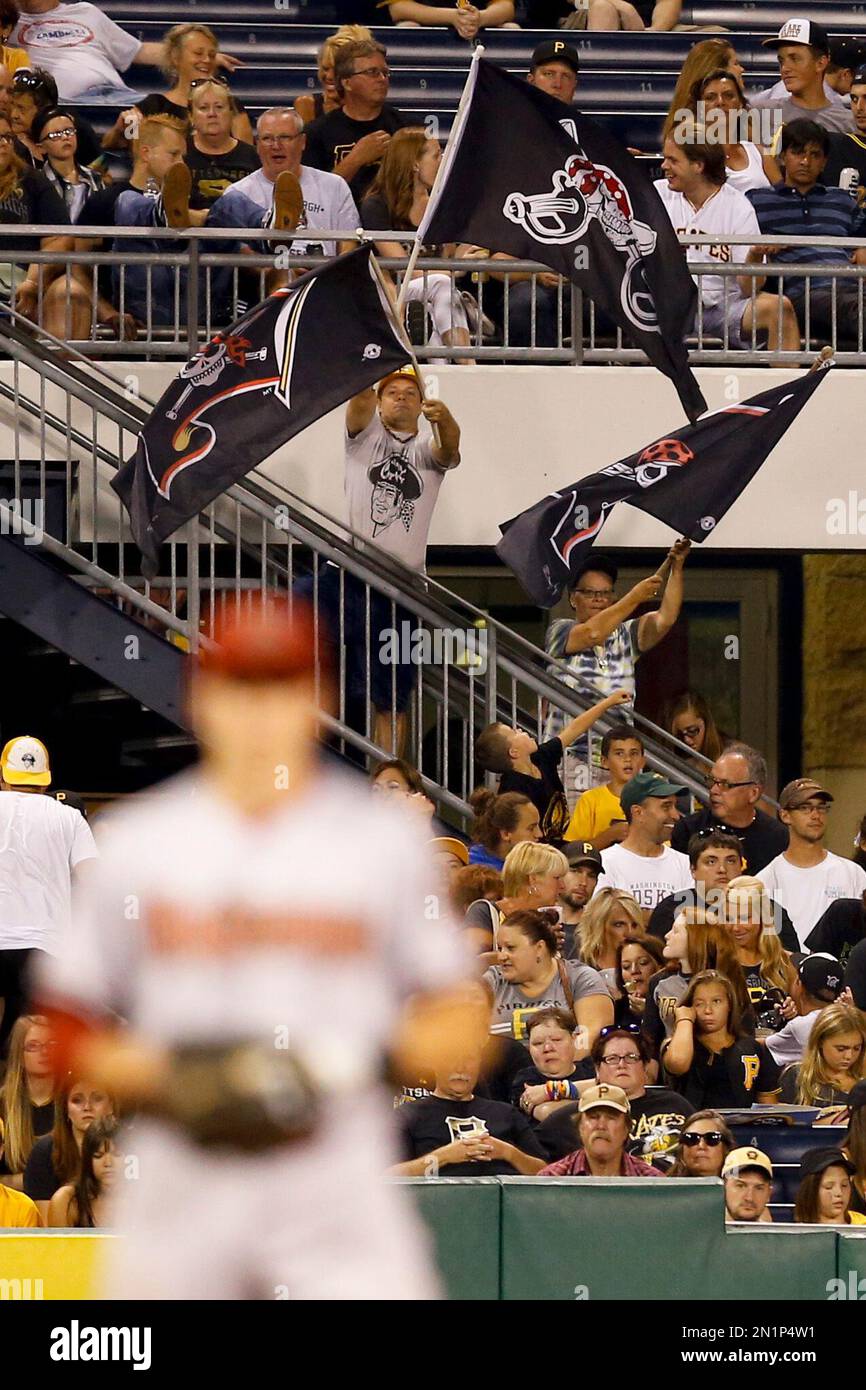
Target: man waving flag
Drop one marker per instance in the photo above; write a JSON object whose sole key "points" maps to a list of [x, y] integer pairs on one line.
{"points": [[688, 479], [524, 174]]}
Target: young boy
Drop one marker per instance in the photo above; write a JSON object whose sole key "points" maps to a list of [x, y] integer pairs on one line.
{"points": [[533, 769], [598, 815]]}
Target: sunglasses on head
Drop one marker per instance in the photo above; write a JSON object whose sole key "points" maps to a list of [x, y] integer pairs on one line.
{"points": [[28, 79], [712, 1139], [199, 81], [611, 1028]]}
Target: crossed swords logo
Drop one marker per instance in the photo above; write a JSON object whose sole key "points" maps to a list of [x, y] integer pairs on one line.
{"points": [[208, 365]]}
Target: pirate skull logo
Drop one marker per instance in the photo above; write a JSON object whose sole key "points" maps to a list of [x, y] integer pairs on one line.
{"points": [[396, 488], [653, 463]]}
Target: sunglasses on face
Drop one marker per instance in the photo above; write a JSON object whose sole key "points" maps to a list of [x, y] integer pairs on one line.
{"points": [[63, 134], [712, 1139]]}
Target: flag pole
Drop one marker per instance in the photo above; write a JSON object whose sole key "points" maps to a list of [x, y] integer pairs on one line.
{"points": [[399, 327], [459, 118], [824, 358]]}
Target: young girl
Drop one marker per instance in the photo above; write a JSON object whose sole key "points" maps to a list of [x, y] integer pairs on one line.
{"points": [[83, 1202], [834, 1060], [696, 941], [55, 1158], [824, 1194], [709, 1058]]}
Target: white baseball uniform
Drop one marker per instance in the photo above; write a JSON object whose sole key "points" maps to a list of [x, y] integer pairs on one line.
{"points": [[311, 924]]}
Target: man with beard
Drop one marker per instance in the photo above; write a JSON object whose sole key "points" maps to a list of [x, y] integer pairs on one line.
{"points": [[603, 1132], [578, 886]]}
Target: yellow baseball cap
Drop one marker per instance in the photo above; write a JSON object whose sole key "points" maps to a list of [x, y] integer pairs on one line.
{"points": [[24, 763], [402, 372], [740, 1160]]}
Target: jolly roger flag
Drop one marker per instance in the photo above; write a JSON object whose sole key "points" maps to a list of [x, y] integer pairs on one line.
{"points": [[688, 479], [525, 175], [286, 363]]}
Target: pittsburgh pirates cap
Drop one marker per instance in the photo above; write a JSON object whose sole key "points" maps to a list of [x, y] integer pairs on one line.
{"points": [[24, 763], [804, 31], [263, 641], [581, 852], [741, 1160], [400, 374], [604, 1098], [555, 51]]}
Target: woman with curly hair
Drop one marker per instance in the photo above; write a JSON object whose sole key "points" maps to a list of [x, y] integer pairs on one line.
{"points": [[833, 1062]]}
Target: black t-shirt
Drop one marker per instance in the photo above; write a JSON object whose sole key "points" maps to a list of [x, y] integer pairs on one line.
{"points": [[531, 1076], [331, 137], [656, 1120], [428, 1124], [41, 1180], [98, 211], [761, 841], [846, 168], [43, 1123], [827, 1095], [855, 974], [212, 174], [839, 929], [728, 1080], [546, 792], [375, 217], [663, 914], [30, 203]]}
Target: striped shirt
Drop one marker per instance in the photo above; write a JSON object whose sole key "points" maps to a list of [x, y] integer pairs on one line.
{"points": [[782, 211], [597, 670]]}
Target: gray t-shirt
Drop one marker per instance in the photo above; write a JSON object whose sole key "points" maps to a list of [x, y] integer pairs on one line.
{"points": [[833, 116], [511, 1007], [392, 483]]}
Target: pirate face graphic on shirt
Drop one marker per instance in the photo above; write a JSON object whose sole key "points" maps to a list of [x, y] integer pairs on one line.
{"points": [[396, 488]]}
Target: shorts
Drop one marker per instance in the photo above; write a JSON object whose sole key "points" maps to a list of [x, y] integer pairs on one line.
{"points": [[392, 671], [716, 316]]}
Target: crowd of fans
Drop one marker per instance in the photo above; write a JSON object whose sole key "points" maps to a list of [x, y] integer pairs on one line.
{"points": [[788, 160]]}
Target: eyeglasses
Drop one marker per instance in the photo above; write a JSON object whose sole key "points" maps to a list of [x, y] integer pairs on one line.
{"points": [[61, 134], [39, 1047], [611, 1061], [371, 72], [278, 139], [726, 786], [691, 732], [633, 1028], [820, 808], [712, 1139], [594, 593]]}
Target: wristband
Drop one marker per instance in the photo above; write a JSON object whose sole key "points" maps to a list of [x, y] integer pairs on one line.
{"points": [[561, 1090]]}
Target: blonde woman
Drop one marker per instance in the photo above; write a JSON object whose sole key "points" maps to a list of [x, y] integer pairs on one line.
{"points": [[191, 56], [749, 918], [608, 919], [833, 1061], [27, 1098], [311, 105], [532, 878]]}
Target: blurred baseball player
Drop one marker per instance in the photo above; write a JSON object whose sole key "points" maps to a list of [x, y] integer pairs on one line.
{"points": [[264, 927]]}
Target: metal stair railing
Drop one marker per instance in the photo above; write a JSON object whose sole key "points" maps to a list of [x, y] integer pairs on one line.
{"points": [[259, 535]]}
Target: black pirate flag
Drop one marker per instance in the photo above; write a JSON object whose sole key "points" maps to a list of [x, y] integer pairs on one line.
{"points": [[282, 366], [526, 175], [688, 479]]}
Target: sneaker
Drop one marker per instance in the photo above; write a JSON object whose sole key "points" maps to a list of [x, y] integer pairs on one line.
{"points": [[288, 208], [176, 188], [416, 322]]}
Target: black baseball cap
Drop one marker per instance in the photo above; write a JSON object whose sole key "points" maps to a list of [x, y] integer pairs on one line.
{"points": [[819, 1160], [555, 51], [860, 75], [581, 852], [804, 31], [822, 976], [602, 563], [857, 1097], [847, 52]]}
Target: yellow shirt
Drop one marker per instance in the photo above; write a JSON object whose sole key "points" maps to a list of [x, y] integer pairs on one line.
{"points": [[856, 1218], [14, 58], [16, 1209], [593, 813]]}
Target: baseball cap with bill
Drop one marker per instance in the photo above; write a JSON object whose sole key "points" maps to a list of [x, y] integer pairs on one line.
{"points": [[24, 763], [404, 373], [604, 1098], [266, 640], [555, 51], [801, 790], [847, 52], [822, 976], [819, 1160], [804, 31], [741, 1160], [581, 852], [646, 784]]}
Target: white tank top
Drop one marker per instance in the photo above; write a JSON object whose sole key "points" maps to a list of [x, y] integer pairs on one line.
{"points": [[753, 175]]}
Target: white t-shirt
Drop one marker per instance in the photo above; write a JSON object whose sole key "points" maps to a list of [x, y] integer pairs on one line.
{"points": [[202, 924], [752, 176], [41, 841], [647, 879], [328, 204], [805, 894], [788, 1045], [79, 45], [392, 483], [725, 212]]}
